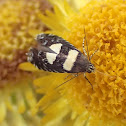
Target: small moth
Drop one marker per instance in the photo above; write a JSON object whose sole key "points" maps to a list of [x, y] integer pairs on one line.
{"points": [[54, 54]]}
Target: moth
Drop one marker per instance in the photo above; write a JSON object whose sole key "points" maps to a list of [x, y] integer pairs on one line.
{"points": [[54, 54]]}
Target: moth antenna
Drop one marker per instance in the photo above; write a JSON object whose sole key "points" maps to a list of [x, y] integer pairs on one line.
{"points": [[88, 81], [93, 54], [67, 81], [84, 51], [85, 39], [69, 75]]}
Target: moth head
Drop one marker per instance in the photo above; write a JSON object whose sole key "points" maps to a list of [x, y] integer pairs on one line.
{"points": [[30, 55], [40, 37], [90, 68]]}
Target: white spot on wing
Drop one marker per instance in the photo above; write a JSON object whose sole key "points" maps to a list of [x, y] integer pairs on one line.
{"points": [[51, 57], [71, 58]]}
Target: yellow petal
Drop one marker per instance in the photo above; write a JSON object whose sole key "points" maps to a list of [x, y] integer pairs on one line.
{"points": [[27, 67]]}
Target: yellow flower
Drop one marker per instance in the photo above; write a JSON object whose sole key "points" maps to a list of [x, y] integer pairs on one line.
{"points": [[77, 104], [17, 94]]}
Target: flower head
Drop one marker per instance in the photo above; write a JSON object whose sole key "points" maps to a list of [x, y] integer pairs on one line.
{"points": [[105, 30]]}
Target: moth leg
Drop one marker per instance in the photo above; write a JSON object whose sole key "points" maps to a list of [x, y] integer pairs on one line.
{"points": [[67, 76], [88, 81], [76, 74], [67, 81]]}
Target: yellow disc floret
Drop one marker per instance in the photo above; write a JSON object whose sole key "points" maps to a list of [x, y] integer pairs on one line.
{"points": [[106, 31]]}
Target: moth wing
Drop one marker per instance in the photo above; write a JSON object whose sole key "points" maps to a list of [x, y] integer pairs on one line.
{"points": [[45, 49], [37, 58], [49, 39]]}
